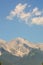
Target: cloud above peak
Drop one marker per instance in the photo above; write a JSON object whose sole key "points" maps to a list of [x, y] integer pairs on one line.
{"points": [[17, 11], [37, 20], [36, 11], [33, 17]]}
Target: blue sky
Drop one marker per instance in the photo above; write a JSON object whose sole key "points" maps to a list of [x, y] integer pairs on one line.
{"points": [[21, 18]]}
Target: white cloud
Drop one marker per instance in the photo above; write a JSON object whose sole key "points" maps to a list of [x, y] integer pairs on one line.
{"points": [[34, 15], [17, 11], [24, 16], [37, 20], [36, 11]]}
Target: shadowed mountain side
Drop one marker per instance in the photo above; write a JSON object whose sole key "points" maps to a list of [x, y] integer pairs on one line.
{"points": [[35, 57]]}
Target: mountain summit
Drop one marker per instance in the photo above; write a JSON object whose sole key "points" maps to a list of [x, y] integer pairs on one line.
{"points": [[19, 46], [20, 52]]}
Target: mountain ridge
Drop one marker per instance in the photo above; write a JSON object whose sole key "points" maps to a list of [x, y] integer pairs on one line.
{"points": [[21, 52], [19, 46]]}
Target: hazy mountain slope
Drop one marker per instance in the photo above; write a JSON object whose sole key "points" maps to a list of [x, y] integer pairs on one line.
{"points": [[21, 47], [35, 57], [21, 52]]}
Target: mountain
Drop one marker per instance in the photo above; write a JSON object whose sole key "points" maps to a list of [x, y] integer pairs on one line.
{"points": [[20, 52]]}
